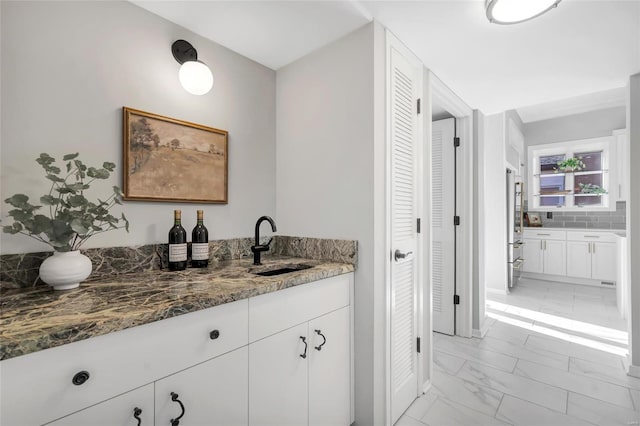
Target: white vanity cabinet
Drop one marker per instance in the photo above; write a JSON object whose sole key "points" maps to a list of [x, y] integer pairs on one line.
{"points": [[544, 252], [234, 364], [72, 377], [591, 255], [300, 359]]}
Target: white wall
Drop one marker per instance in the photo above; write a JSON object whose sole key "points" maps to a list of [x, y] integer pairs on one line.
{"points": [[586, 125], [479, 254], [494, 203], [633, 225], [325, 178], [67, 70]]}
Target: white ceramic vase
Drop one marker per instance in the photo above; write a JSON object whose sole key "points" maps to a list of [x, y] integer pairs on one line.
{"points": [[65, 270]]}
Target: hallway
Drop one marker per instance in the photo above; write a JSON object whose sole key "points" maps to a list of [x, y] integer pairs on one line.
{"points": [[553, 355]]}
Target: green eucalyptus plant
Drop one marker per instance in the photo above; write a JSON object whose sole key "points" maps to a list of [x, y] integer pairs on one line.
{"points": [[571, 164], [72, 218]]}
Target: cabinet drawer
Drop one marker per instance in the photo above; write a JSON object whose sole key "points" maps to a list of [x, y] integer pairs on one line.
{"points": [[604, 237], [277, 311], [544, 234], [38, 387]]}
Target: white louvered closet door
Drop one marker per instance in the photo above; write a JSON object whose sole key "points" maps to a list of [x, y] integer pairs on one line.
{"points": [[443, 237], [404, 89]]}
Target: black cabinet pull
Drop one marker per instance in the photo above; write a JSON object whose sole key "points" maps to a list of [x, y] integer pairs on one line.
{"points": [[214, 334], [136, 415], [324, 340], [304, 340], [176, 421], [80, 378]]}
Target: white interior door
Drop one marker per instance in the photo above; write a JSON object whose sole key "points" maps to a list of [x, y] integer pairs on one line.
{"points": [[443, 235], [405, 77]]}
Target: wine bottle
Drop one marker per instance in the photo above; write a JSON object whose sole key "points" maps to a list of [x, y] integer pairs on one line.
{"points": [[200, 244], [177, 244]]}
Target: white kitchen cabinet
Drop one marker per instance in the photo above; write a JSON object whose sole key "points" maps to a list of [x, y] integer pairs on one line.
{"points": [[134, 408], [579, 259], [220, 374], [592, 255], [554, 257], [278, 379], [532, 255], [622, 165], [603, 261], [544, 252], [329, 369], [212, 393], [115, 363], [300, 358], [301, 375]]}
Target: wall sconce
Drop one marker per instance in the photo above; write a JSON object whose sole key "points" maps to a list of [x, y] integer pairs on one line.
{"points": [[195, 76], [515, 11]]}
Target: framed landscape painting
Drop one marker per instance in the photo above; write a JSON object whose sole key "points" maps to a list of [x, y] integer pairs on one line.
{"points": [[173, 160]]}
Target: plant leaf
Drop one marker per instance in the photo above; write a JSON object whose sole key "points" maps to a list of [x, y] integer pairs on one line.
{"points": [[45, 159], [41, 224], [79, 227], [109, 166], [77, 200], [54, 178], [19, 200], [97, 173], [13, 229], [69, 157], [20, 215], [126, 223], [49, 200], [61, 233]]}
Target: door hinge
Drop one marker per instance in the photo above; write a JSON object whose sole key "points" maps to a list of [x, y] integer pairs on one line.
{"points": [[456, 142], [456, 299], [456, 220], [418, 343], [418, 105], [418, 225]]}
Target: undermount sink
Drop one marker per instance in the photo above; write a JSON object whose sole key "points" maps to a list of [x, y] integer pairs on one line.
{"points": [[282, 269]]}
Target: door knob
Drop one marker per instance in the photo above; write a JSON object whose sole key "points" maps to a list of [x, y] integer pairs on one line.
{"points": [[397, 255]]}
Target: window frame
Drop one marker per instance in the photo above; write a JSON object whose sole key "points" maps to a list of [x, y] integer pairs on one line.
{"points": [[569, 149]]}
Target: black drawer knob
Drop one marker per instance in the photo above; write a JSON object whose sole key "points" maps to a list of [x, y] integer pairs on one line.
{"points": [[214, 334], [80, 378]]}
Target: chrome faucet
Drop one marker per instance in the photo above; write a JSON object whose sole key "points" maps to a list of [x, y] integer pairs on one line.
{"points": [[258, 248]]}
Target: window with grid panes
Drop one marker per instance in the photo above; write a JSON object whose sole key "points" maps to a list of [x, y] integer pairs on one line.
{"points": [[582, 189]]}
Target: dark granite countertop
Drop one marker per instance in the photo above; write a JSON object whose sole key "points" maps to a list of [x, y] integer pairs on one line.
{"points": [[39, 318]]}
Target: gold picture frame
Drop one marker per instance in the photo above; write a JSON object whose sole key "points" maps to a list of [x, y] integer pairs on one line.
{"points": [[166, 159]]}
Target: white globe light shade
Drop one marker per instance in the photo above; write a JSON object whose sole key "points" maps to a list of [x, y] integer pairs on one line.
{"points": [[195, 77], [515, 11]]}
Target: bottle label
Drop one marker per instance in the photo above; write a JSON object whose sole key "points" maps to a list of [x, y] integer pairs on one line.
{"points": [[200, 251], [178, 252]]}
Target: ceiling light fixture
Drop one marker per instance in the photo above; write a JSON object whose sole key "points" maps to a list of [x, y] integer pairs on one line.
{"points": [[507, 12], [195, 76]]}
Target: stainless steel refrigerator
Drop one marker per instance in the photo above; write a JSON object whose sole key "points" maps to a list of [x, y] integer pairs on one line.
{"points": [[515, 222]]}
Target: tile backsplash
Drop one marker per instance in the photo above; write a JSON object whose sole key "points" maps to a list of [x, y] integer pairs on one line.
{"points": [[587, 220]]}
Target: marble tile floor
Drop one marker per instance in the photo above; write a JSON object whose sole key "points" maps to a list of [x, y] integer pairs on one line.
{"points": [[553, 355]]}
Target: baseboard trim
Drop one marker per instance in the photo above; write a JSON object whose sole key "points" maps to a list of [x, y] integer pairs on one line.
{"points": [[426, 386], [566, 280], [482, 331], [495, 291], [633, 371]]}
